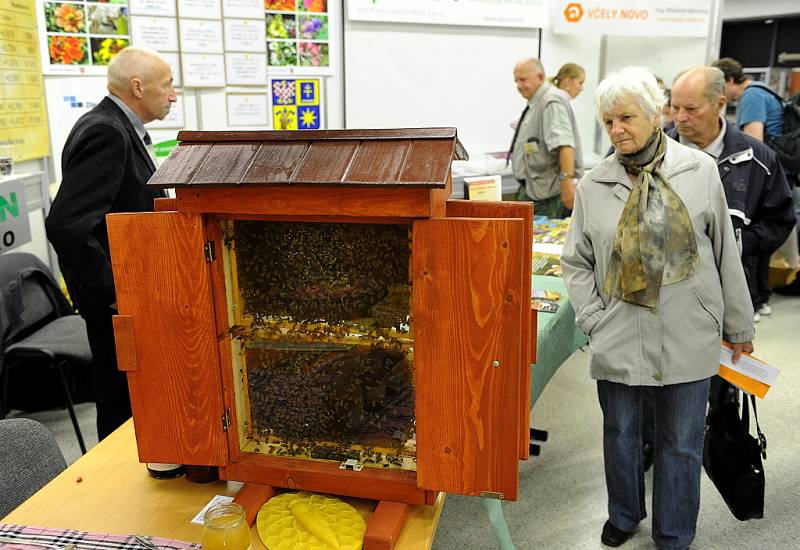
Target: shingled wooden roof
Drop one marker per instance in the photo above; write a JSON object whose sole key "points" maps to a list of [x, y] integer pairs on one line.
{"points": [[416, 157]]}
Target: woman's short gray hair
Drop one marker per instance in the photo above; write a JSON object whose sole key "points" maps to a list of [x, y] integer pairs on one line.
{"points": [[625, 84]]}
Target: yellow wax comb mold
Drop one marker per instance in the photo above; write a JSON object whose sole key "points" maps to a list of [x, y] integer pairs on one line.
{"points": [[305, 521]]}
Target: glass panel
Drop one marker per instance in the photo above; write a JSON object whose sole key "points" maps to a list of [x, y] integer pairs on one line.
{"points": [[324, 343]]}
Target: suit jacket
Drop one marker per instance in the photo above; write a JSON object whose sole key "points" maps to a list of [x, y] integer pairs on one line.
{"points": [[105, 167]]}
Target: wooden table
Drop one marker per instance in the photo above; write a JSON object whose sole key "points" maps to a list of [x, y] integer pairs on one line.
{"points": [[109, 491]]}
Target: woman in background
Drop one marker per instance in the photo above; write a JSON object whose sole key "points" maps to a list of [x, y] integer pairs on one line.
{"points": [[570, 79]]}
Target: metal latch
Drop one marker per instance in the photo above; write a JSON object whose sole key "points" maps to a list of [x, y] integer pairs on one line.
{"points": [[211, 254], [351, 464], [490, 494], [226, 420]]}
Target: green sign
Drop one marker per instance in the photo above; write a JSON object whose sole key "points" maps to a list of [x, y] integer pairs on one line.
{"points": [[164, 148]]}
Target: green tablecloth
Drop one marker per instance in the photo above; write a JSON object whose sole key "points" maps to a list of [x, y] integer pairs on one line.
{"points": [[558, 336]]}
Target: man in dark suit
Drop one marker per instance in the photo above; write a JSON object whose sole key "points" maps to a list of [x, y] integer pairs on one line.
{"points": [[105, 165]]}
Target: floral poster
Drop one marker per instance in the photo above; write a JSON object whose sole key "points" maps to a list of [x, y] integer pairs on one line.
{"points": [[298, 37], [82, 37], [296, 103]]}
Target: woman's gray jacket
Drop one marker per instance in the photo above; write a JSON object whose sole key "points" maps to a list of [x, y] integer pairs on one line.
{"points": [[679, 340]]}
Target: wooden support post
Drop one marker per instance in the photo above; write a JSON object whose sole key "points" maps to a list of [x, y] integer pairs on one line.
{"points": [[385, 525], [251, 497]]}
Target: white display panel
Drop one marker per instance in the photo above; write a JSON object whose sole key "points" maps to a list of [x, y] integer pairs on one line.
{"points": [[404, 77]]}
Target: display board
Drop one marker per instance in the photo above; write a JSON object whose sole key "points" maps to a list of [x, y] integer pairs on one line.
{"points": [[490, 13], [401, 76], [23, 118]]}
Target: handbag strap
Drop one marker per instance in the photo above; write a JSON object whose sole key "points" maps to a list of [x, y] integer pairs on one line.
{"points": [[762, 440]]}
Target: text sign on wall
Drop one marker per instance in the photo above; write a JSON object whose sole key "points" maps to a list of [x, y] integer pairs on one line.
{"points": [[15, 229], [483, 13], [23, 120], [632, 17]]}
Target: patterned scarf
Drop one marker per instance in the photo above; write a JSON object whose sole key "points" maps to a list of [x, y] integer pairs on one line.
{"points": [[655, 243]]}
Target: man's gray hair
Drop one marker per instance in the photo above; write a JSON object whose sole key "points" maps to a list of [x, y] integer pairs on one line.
{"points": [[714, 81], [129, 63], [621, 86], [532, 63]]}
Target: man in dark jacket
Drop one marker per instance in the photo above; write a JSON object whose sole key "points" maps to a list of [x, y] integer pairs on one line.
{"points": [[105, 165], [758, 196]]}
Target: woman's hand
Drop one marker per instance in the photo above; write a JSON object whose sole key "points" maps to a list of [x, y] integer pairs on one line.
{"points": [[746, 347]]}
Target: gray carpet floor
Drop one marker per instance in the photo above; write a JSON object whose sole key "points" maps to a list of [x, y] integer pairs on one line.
{"points": [[562, 503]]}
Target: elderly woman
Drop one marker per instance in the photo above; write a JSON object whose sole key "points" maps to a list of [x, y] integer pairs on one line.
{"points": [[652, 268]]}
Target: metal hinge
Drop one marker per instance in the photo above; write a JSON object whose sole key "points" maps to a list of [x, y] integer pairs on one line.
{"points": [[226, 420], [351, 464], [489, 494], [211, 254]]}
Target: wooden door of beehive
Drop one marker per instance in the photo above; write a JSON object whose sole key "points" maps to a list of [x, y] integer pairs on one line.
{"points": [[166, 337], [470, 306]]}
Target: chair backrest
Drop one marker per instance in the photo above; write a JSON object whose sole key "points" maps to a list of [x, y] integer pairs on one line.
{"points": [[29, 296], [29, 459]]}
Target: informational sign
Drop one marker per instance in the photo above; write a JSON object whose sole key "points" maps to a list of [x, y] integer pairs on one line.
{"points": [[246, 69], [160, 8], [15, 229], [244, 9], [156, 33], [633, 17], [484, 188], [81, 37], [200, 36], [298, 36], [203, 70], [482, 13], [23, 118], [247, 110], [296, 103]]}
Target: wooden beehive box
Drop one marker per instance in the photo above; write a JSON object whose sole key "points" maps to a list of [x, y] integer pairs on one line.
{"points": [[384, 309]]}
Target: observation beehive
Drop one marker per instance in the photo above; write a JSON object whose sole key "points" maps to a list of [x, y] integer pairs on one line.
{"points": [[311, 312]]}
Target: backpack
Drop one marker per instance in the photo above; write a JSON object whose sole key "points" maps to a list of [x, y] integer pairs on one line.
{"points": [[787, 145]]}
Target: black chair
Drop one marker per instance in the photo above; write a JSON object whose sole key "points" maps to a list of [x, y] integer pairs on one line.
{"points": [[29, 459], [38, 325]]}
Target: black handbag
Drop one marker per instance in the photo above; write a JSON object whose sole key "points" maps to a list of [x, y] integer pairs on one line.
{"points": [[732, 457]]}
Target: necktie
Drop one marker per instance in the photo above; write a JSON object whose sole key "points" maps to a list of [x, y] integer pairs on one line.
{"points": [[148, 144], [516, 133]]}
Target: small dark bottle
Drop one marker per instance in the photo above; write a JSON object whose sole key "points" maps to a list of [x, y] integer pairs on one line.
{"points": [[201, 474], [160, 470]]}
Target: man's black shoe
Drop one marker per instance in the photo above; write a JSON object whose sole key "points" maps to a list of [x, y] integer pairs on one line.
{"points": [[614, 537], [647, 452]]}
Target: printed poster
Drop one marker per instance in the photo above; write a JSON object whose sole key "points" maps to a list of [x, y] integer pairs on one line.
{"points": [[296, 103], [633, 17], [23, 118], [298, 36], [480, 13], [82, 37]]}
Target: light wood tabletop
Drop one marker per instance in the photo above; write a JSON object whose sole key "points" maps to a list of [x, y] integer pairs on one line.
{"points": [[109, 491]]}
